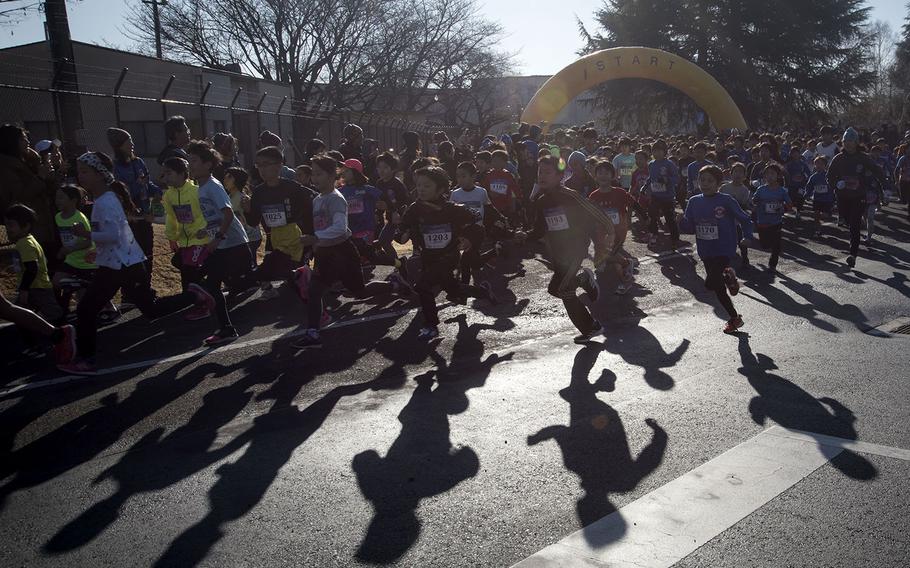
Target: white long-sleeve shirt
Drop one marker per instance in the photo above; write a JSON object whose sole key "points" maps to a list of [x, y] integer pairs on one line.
{"points": [[115, 244], [330, 218]]}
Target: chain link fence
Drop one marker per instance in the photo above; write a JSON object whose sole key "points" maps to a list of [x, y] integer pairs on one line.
{"points": [[139, 97]]}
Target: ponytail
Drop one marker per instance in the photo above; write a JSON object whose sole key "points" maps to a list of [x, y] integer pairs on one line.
{"points": [[124, 196]]}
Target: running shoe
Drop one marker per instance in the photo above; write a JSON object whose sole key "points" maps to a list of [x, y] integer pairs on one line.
{"points": [[734, 324], [220, 336], [65, 349], [428, 333], [268, 292], [730, 281], [491, 297], [309, 340], [583, 338], [197, 313], [325, 319], [400, 285], [621, 289], [203, 298], [108, 316], [590, 284], [79, 367], [851, 261], [628, 273]]}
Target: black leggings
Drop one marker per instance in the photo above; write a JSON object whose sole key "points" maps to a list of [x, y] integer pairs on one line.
{"points": [[145, 238], [335, 263], [770, 238], [440, 272], [564, 283], [666, 209], [852, 210], [130, 279]]}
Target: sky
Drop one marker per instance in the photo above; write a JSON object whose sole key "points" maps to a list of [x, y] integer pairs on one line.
{"points": [[537, 53]]}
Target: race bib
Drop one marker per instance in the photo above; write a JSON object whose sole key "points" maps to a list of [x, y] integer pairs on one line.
{"points": [[184, 214], [499, 187], [625, 172], [194, 256], [212, 229], [613, 214], [706, 231], [67, 238], [851, 183], [657, 187], [355, 206], [320, 221], [556, 219], [821, 188], [274, 215], [774, 207], [437, 236]]}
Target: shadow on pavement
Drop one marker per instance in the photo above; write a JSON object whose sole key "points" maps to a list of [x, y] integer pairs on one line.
{"points": [[788, 405], [422, 461], [594, 444]]}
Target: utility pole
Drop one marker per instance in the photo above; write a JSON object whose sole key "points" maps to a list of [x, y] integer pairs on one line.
{"points": [[64, 78], [157, 18]]}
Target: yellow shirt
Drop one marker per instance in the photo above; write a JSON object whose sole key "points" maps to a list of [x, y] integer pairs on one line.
{"points": [[77, 258], [183, 215], [29, 250]]}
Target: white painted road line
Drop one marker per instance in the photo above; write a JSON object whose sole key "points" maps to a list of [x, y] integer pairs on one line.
{"points": [[190, 354], [666, 525]]}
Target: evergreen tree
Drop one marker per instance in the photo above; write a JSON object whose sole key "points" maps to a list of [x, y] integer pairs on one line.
{"points": [[781, 60], [901, 72]]}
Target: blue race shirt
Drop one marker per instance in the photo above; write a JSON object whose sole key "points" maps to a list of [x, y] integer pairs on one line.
{"points": [[818, 188], [797, 174], [362, 201], [770, 204], [713, 219], [664, 179]]}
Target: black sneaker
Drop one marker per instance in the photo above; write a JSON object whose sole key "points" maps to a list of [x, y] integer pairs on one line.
{"points": [[491, 297], [583, 338], [590, 284], [400, 285], [309, 340], [851, 261]]}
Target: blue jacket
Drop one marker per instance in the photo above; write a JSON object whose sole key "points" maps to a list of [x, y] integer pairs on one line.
{"points": [[713, 219], [130, 173], [797, 174]]}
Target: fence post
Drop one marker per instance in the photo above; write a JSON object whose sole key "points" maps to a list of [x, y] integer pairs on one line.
{"points": [[278, 113], [259, 113], [123, 73], [164, 94]]}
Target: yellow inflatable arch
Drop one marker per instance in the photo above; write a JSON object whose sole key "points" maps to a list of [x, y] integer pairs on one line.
{"points": [[634, 63]]}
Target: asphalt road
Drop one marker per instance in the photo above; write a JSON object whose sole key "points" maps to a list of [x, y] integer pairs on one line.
{"points": [[496, 442]]}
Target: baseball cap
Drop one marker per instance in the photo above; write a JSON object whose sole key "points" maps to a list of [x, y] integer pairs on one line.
{"points": [[44, 145], [354, 164]]}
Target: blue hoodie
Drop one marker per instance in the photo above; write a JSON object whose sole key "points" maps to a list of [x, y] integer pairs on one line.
{"points": [[663, 179], [770, 204], [713, 219]]}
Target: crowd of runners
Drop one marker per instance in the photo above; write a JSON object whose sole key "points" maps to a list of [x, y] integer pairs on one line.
{"points": [[82, 230]]}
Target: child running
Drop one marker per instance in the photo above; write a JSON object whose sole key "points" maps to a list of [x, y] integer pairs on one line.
{"points": [[617, 205], [797, 178], [663, 176], [439, 229], [477, 201], [817, 189], [738, 190], [567, 222], [35, 289], [336, 257], [184, 227], [121, 263], [713, 217], [771, 201]]}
